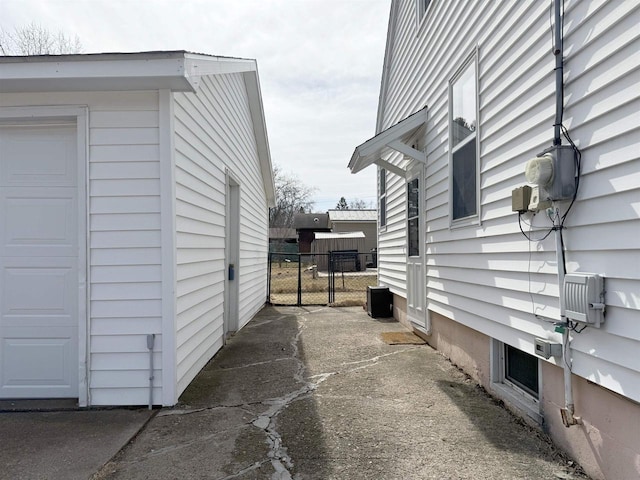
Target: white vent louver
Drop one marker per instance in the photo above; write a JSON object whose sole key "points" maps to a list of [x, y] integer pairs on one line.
{"points": [[584, 298]]}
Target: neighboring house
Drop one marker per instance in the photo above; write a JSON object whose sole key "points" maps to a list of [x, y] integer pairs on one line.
{"points": [[134, 196], [306, 224], [356, 221], [468, 96]]}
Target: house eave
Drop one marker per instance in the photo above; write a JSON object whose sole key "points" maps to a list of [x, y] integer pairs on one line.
{"points": [[178, 71]]}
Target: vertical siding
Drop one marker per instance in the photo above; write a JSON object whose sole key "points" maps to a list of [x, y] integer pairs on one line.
{"points": [[213, 132], [489, 277], [124, 240]]}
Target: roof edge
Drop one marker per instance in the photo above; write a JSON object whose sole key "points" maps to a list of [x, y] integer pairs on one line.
{"points": [[177, 70]]}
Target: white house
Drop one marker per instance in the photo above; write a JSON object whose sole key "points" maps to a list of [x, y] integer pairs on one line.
{"points": [[134, 195], [468, 97]]}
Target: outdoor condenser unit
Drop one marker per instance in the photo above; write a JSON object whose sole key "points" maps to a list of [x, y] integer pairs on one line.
{"points": [[379, 302], [584, 298]]}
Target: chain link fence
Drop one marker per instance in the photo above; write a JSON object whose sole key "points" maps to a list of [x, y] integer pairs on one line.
{"points": [[336, 278]]}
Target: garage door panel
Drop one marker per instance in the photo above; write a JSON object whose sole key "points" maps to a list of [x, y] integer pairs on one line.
{"points": [[38, 294], [38, 156], [40, 359], [39, 222]]}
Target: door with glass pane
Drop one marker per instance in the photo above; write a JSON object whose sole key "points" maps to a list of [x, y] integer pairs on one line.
{"points": [[416, 293]]}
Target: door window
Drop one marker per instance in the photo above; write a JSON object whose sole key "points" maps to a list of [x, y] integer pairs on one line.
{"points": [[413, 217]]}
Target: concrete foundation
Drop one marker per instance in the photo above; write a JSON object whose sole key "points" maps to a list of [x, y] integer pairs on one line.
{"points": [[607, 444]]}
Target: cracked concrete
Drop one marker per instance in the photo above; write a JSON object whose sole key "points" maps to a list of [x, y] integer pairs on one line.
{"points": [[315, 394]]}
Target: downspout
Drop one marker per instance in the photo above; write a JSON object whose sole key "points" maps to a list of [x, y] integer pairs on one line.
{"points": [[150, 342], [558, 52], [568, 411]]}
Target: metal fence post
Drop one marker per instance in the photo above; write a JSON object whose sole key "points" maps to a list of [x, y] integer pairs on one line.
{"points": [[270, 260], [299, 280], [329, 278]]}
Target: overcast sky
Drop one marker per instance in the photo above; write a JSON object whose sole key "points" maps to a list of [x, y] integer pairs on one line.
{"points": [[320, 64]]}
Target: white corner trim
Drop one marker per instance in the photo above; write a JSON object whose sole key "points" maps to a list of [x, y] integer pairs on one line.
{"points": [[84, 270], [168, 247]]}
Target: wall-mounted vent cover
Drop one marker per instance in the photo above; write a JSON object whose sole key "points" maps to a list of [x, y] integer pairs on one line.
{"points": [[584, 298]]}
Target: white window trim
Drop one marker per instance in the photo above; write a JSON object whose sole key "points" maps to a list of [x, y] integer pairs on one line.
{"points": [[510, 393], [475, 218]]}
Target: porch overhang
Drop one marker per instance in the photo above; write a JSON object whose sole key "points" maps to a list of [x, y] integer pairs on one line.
{"points": [[394, 138]]}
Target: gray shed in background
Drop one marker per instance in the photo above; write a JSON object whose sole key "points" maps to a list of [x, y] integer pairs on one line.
{"points": [[365, 221], [326, 242]]}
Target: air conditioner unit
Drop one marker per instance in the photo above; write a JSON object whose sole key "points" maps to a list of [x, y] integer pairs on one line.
{"points": [[379, 302], [584, 298]]}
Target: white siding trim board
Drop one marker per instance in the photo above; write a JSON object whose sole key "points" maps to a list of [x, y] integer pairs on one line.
{"points": [[168, 242]]}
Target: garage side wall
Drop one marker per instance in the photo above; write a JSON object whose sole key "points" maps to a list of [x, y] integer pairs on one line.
{"points": [[123, 240], [213, 135]]}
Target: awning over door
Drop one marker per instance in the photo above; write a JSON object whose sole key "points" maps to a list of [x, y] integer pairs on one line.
{"points": [[392, 139]]}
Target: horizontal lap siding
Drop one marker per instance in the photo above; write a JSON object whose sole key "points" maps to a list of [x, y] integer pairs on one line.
{"points": [[213, 132], [489, 277], [124, 220]]}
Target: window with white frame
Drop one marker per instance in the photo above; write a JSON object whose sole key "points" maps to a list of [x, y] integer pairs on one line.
{"points": [[383, 198], [463, 163]]}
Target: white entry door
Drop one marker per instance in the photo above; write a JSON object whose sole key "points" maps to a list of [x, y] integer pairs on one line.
{"points": [[38, 262], [416, 292]]}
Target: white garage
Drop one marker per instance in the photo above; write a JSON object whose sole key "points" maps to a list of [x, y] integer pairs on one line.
{"points": [[131, 185]]}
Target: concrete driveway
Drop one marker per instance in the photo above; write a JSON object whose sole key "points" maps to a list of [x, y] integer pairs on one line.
{"points": [[315, 393], [56, 442]]}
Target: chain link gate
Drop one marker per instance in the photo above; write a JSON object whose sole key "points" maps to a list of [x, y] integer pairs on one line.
{"points": [[335, 278]]}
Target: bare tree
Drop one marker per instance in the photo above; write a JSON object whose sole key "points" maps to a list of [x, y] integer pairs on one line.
{"points": [[359, 204], [34, 39], [292, 196], [355, 204]]}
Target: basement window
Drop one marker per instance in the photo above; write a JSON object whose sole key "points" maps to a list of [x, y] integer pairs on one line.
{"points": [[521, 369], [515, 378]]}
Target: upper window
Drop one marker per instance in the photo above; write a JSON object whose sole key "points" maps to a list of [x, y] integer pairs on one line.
{"points": [[383, 198], [463, 134]]}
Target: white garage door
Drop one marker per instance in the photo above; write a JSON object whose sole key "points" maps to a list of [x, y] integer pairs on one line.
{"points": [[38, 262]]}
